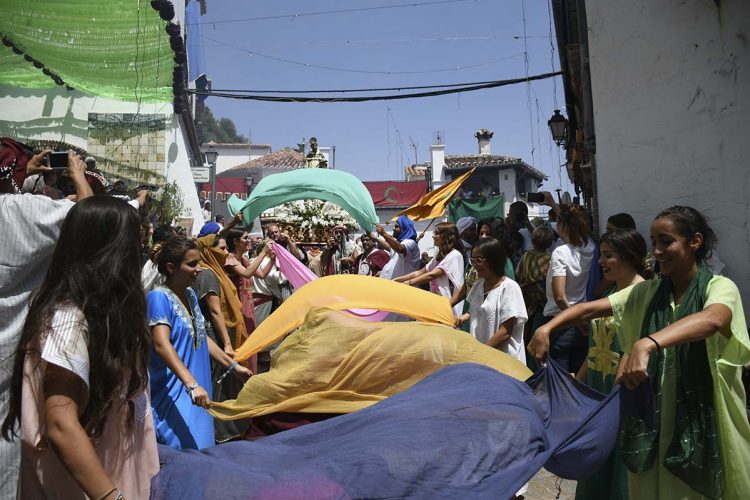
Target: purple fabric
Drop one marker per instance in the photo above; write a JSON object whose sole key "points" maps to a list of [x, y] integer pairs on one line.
{"points": [[298, 275], [465, 431]]}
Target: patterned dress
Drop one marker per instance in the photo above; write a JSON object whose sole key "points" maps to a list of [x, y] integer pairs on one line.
{"points": [[179, 423], [611, 481]]}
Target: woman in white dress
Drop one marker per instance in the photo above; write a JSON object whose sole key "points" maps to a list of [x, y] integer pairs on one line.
{"points": [[445, 272], [497, 311]]}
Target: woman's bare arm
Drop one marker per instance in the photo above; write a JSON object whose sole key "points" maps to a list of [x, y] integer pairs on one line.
{"points": [[213, 304], [63, 391], [503, 333]]}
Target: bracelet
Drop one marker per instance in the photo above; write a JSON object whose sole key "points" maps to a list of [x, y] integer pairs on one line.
{"points": [[108, 493], [652, 339], [229, 370], [120, 495], [191, 388]]}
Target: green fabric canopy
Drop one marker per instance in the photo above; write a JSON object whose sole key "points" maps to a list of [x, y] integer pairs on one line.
{"points": [[110, 48], [490, 206], [340, 188]]}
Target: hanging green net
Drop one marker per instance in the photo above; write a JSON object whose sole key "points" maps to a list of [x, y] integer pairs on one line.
{"points": [[111, 48]]}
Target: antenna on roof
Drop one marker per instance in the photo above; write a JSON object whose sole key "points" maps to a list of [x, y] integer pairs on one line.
{"points": [[415, 146], [438, 137]]}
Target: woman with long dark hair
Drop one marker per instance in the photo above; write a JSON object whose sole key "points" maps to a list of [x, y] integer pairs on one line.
{"points": [[445, 272], [80, 372], [241, 269], [684, 334]]}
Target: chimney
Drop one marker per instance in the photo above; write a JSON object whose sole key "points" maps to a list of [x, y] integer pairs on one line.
{"points": [[483, 137], [437, 161]]}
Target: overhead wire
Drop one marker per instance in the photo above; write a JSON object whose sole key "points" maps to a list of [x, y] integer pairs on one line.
{"points": [[447, 38], [351, 70], [297, 15], [375, 89], [528, 82], [279, 98]]}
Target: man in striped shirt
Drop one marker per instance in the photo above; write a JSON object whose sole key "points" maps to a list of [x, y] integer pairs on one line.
{"points": [[30, 227]]}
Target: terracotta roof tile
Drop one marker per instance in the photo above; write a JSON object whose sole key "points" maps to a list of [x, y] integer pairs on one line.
{"points": [[286, 158], [480, 161]]}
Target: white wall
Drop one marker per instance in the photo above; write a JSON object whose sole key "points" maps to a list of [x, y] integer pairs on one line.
{"points": [[58, 115], [671, 97], [230, 158]]}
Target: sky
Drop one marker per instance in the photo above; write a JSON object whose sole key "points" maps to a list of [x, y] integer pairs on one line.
{"points": [[450, 41]]}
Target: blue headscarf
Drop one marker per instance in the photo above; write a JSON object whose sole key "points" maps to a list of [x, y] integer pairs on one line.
{"points": [[209, 228], [407, 229]]}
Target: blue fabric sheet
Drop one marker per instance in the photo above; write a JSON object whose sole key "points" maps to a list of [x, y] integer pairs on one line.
{"points": [[465, 431]]}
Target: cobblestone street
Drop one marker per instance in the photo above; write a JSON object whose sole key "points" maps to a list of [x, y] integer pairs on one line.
{"points": [[543, 487]]}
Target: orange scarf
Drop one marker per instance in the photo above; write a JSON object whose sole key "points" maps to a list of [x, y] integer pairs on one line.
{"points": [[231, 307]]}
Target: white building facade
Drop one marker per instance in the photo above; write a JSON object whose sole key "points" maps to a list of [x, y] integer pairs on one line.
{"points": [[670, 86]]}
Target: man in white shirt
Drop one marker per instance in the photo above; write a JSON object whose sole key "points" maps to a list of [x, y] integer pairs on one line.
{"points": [[404, 251]]}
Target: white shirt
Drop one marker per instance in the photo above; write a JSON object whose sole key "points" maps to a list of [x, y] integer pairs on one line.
{"points": [[30, 227], [150, 276], [526, 235], [573, 263], [272, 284], [398, 265], [490, 311], [453, 273]]}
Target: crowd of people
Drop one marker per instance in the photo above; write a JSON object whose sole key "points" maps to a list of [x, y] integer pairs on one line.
{"points": [[119, 335]]}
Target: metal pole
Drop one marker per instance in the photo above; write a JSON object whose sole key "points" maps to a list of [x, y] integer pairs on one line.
{"points": [[213, 192], [333, 163]]}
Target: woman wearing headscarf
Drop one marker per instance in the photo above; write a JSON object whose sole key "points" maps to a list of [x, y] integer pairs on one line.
{"points": [[225, 324]]}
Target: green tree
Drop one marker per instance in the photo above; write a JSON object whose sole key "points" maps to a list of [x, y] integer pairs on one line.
{"points": [[209, 129]]}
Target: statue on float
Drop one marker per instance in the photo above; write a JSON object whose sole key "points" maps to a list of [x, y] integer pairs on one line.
{"points": [[315, 159]]}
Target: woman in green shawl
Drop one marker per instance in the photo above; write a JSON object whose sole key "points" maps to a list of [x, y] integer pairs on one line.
{"points": [[685, 336]]}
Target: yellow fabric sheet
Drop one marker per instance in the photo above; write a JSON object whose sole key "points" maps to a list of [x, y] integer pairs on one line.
{"points": [[346, 291], [337, 363], [434, 203]]}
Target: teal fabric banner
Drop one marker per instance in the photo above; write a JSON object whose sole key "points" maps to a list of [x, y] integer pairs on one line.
{"points": [[340, 188]]}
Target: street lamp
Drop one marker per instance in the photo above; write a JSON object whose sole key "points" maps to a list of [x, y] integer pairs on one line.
{"points": [[211, 156], [249, 181], [558, 125]]}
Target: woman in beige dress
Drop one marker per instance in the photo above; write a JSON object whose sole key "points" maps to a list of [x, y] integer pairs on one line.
{"points": [[80, 379]]}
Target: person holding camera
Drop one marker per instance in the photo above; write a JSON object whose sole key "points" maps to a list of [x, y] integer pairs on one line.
{"points": [[340, 253], [30, 226], [517, 222]]}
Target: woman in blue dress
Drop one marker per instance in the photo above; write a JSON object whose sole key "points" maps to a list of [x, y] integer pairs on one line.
{"points": [[179, 365]]}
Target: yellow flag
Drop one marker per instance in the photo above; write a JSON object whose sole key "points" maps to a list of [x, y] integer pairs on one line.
{"points": [[433, 204]]}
